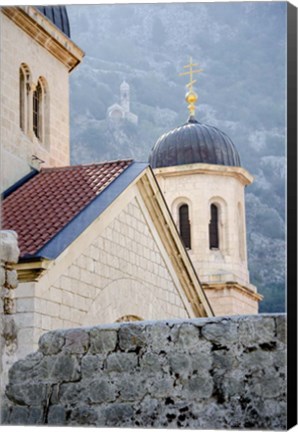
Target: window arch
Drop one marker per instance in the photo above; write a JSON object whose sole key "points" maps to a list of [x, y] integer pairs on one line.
{"points": [[40, 110], [213, 228], [184, 225], [129, 318], [24, 92]]}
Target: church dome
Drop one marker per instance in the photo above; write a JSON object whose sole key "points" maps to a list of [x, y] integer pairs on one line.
{"points": [[58, 16], [194, 142]]}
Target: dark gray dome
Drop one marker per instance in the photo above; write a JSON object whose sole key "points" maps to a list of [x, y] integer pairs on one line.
{"points": [[58, 16], [194, 142]]}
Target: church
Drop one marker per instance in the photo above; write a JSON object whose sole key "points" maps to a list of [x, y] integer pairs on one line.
{"points": [[116, 240]]}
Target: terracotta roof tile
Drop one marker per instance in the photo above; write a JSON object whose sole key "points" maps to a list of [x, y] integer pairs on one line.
{"points": [[43, 205]]}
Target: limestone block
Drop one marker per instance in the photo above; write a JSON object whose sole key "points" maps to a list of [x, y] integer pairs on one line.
{"points": [[11, 279], [76, 341], [28, 393], [92, 364], [51, 343], [223, 334], [121, 362], [2, 276], [84, 416], [56, 415], [102, 341], [119, 414], [9, 251], [131, 337]]}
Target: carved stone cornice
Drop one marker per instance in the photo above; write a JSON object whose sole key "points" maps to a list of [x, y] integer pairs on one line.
{"points": [[44, 32]]}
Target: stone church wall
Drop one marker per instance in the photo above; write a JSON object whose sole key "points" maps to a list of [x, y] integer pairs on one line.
{"points": [[122, 272], [9, 254], [18, 48], [207, 373]]}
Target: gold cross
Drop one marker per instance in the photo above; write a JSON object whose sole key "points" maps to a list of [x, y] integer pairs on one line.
{"points": [[190, 73]]}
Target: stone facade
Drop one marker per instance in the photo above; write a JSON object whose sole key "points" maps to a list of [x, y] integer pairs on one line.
{"points": [[20, 49], [9, 254], [213, 373], [121, 269], [199, 186]]}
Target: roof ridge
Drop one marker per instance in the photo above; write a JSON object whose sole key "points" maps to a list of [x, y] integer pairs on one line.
{"points": [[70, 167]]}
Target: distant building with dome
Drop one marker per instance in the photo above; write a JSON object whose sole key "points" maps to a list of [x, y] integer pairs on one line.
{"points": [[199, 172]]}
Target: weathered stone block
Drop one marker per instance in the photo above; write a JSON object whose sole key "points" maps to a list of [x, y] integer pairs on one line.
{"points": [[36, 416], [51, 343], [150, 362], [76, 341], [92, 364], [180, 363], [257, 331], [65, 368], [222, 333], [102, 341], [131, 337], [281, 328], [21, 370], [131, 387], [121, 362], [19, 415], [101, 390], [199, 386], [9, 251], [120, 414], [83, 415], [11, 279], [28, 394], [188, 337], [2, 276], [56, 415]]}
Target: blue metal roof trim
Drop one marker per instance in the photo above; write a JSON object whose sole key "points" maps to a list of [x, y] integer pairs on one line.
{"points": [[19, 183], [82, 220]]}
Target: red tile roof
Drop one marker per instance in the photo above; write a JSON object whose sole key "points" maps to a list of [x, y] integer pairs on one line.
{"points": [[43, 205]]}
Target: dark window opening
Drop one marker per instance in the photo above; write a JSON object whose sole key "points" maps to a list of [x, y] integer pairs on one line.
{"points": [[184, 225], [37, 95], [213, 228], [22, 100]]}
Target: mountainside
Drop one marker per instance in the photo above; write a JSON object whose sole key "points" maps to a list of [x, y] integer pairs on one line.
{"points": [[241, 49]]}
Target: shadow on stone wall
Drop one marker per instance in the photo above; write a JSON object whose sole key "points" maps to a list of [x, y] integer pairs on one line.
{"points": [[212, 373]]}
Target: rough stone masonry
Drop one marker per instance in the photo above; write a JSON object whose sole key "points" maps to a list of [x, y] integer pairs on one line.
{"points": [[206, 373]]}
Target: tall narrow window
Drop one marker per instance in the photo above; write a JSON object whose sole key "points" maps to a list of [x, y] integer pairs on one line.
{"points": [[24, 83], [22, 99], [213, 228], [184, 225], [37, 107]]}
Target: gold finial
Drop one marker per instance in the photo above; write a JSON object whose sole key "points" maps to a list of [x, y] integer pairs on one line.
{"points": [[191, 96]]}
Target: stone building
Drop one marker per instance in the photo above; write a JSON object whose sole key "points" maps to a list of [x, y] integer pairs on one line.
{"points": [[34, 89], [118, 112], [199, 172], [97, 242]]}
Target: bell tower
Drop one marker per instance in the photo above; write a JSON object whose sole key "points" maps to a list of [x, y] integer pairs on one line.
{"points": [[199, 171], [124, 96]]}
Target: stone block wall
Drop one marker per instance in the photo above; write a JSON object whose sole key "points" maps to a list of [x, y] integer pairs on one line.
{"points": [[206, 373], [9, 254], [122, 272]]}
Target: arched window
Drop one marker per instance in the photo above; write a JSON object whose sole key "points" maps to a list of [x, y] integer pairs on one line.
{"points": [[213, 228], [37, 110], [184, 225], [24, 85], [241, 233], [129, 318]]}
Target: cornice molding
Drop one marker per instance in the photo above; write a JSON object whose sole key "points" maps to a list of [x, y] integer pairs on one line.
{"points": [[199, 168], [44, 32]]}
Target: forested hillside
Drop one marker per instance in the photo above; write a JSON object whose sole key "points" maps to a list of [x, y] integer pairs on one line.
{"points": [[241, 48]]}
